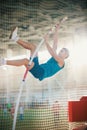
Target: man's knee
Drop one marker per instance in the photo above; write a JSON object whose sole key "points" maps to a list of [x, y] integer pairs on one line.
{"points": [[33, 47], [26, 61]]}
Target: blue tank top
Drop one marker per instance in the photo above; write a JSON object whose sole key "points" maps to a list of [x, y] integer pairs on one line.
{"points": [[48, 69], [51, 67]]}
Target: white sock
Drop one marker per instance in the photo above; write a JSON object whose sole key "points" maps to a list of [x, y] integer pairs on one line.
{"points": [[16, 38], [3, 61]]}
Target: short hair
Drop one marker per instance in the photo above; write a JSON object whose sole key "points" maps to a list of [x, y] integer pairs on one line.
{"points": [[67, 52]]}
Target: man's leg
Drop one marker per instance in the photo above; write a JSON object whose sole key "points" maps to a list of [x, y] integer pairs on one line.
{"points": [[14, 36], [27, 45], [21, 62], [17, 62]]}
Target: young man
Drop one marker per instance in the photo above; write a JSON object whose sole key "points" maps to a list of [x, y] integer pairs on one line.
{"points": [[45, 70]]}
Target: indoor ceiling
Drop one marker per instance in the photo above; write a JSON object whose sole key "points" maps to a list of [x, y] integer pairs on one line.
{"points": [[35, 17]]}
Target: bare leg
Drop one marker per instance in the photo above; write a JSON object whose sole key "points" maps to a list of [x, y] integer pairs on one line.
{"points": [[28, 46], [24, 61], [20, 62], [14, 36]]}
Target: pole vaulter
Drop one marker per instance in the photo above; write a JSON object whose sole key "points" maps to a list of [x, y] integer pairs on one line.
{"points": [[25, 75]]}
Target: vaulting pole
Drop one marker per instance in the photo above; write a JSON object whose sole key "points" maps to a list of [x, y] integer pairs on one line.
{"points": [[22, 84]]}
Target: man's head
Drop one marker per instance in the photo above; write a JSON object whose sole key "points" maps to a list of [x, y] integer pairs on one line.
{"points": [[64, 53]]}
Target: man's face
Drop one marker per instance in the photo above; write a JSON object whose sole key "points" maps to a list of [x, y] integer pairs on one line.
{"points": [[63, 53]]}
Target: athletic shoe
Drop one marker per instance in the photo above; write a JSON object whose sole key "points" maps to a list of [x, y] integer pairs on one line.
{"points": [[2, 61], [13, 36]]}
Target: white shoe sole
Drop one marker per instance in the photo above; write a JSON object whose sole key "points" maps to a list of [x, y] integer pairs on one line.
{"points": [[10, 37]]}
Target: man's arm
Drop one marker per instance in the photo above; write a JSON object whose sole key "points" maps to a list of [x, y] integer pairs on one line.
{"points": [[53, 52], [55, 37]]}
